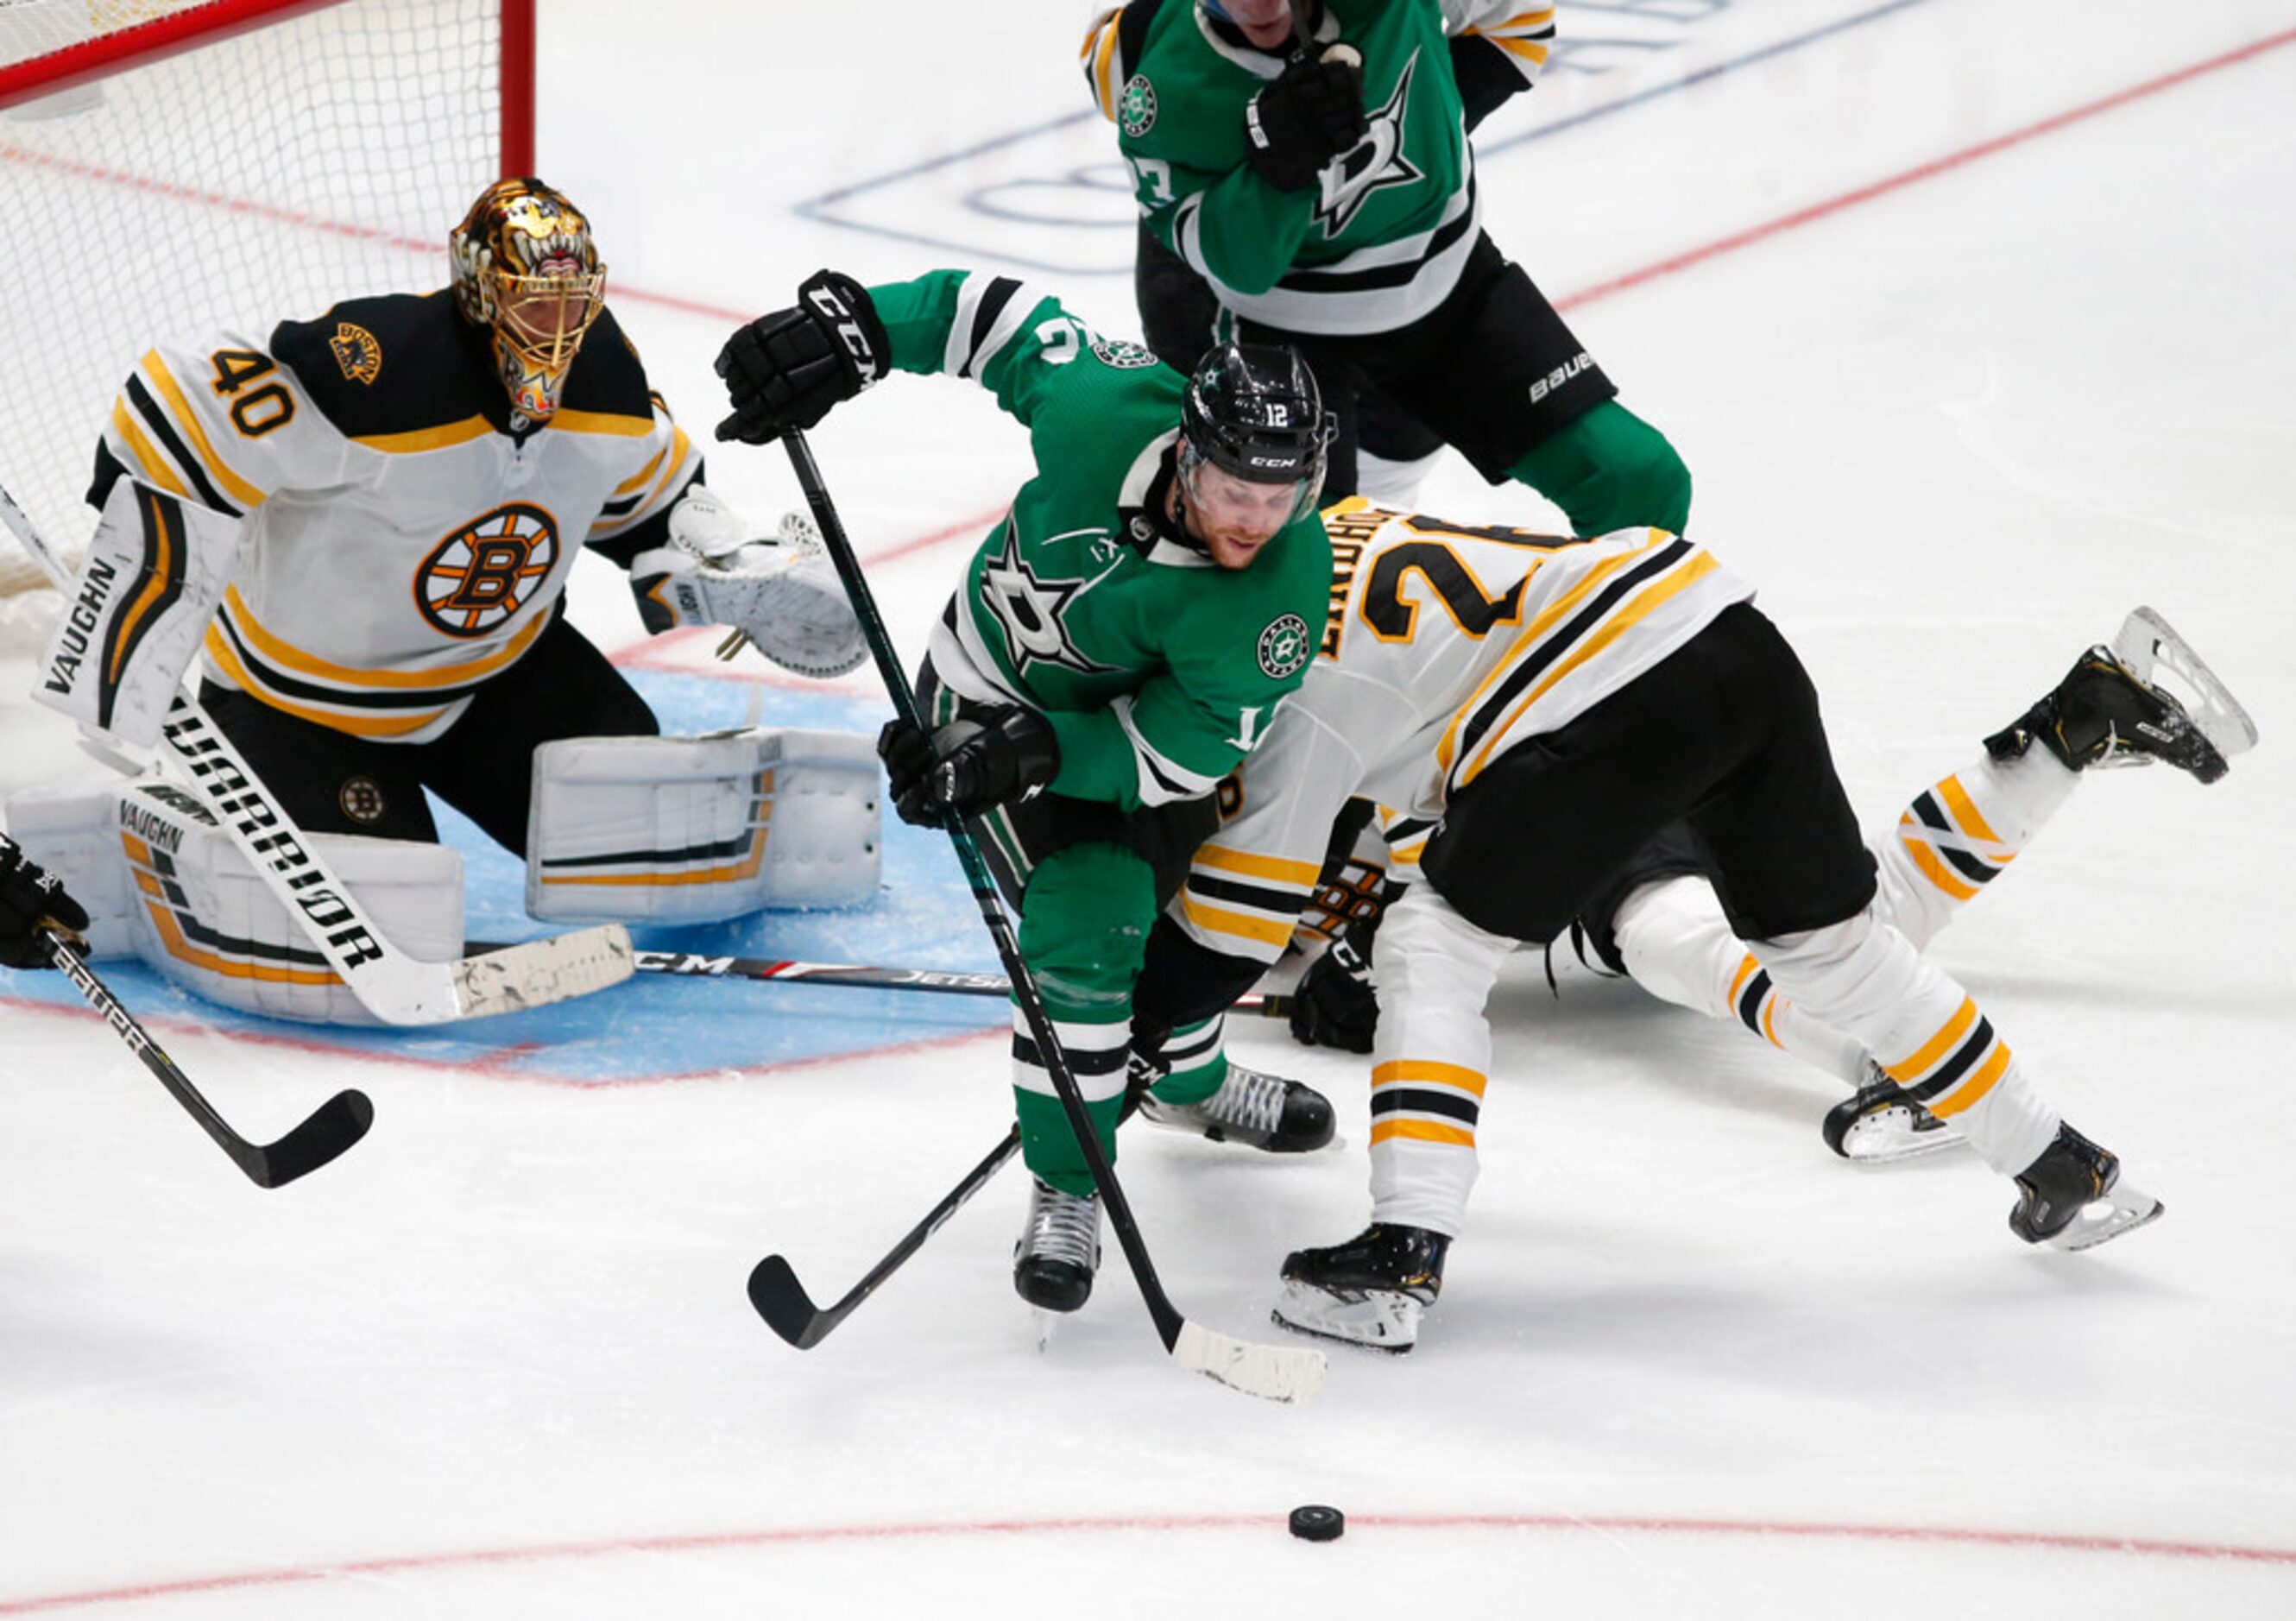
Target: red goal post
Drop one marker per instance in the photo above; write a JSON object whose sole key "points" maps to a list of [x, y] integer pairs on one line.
{"points": [[169, 168]]}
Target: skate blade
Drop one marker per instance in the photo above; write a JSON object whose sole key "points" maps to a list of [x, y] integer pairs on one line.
{"points": [[2147, 644], [1382, 1320], [2121, 1208], [1891, 1135]]}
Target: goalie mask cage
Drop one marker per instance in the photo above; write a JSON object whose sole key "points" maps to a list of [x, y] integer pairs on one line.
{"points": [[171, 168]]}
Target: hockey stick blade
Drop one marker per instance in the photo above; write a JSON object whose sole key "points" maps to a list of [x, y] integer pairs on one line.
{"points": [[1277, 1373], [336, 1124], [790, 1312], [509, 979]]}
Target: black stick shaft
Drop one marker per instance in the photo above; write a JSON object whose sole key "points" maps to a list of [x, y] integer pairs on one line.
{"points": [[1025, 996]]}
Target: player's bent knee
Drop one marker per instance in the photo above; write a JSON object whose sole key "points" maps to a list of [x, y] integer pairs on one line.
{"points": [[694, 830], [1610, 470], [1084, 926]]}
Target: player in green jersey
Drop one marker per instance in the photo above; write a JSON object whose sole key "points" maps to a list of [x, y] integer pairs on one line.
{"points": [[1324, 191], [1119, 644]]}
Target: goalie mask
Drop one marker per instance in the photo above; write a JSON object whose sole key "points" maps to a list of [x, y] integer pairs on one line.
{"points": [[525, 268]]}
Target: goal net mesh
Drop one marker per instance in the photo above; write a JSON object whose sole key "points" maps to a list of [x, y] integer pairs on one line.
{"points": [[252, 177]]}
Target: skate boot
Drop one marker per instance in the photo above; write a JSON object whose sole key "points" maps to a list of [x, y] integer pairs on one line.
{"points": [[2109, 710], [2073, 1197], [1880, 1122], [1058, 1248], [1261, 1111], [1369, 1291]]}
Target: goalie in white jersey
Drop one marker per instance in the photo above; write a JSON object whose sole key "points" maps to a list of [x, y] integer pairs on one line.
{"points": [[365, 523], [1555, 702], [386, 502]]}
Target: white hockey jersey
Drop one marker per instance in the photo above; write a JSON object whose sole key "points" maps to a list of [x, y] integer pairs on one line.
{"points": [[1445, 646], [402, 544]]}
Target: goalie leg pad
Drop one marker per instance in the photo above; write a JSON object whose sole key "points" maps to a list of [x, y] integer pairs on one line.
{"points": [[692, 830], [166, 884]]}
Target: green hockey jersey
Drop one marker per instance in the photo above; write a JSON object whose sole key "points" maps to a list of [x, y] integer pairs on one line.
{"points": [[1158, 669], [1382, 237]]}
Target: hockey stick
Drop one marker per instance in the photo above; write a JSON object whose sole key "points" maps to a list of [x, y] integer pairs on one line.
{"points": [[790, 1312], [944, 981], [339, 1122], [1282, 1373], [394, 987]]}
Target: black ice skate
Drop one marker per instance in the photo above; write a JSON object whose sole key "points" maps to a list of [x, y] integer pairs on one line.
{"points": [[1369, 1291], [1058, 1249], [2111, 710], [2073, 1197], [1880, 1122], [1261, 1111]]}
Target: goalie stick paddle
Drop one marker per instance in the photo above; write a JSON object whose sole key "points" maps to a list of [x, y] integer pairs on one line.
{"points": [[1281, 1374], [394, 987], [339, 1122], [773, 970]]}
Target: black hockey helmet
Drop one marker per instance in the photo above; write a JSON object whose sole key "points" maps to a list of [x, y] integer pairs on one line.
{"points": [[1253, 411]]}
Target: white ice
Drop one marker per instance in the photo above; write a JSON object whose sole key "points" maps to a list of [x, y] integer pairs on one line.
{"points": [[497, 1361]]}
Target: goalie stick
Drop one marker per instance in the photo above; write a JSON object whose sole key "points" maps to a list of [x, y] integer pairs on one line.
{"points": [[1280, 1373], [394, 987], [339, 1122], [943, 981]]}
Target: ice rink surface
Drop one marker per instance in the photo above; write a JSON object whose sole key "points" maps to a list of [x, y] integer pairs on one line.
{"points": [[1977, 325]]}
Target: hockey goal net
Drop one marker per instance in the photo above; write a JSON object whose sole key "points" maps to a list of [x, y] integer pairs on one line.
{"points": [[168, 167]]}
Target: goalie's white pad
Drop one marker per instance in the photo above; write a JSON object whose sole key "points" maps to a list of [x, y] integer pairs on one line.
{"points": [[691, 830], [153, 577], [778, 589], [161, 881]]}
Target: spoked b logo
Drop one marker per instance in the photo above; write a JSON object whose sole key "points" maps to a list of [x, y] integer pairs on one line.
{"points": [[487, 570]]}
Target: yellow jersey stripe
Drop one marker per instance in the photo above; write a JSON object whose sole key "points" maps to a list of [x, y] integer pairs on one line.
{"points": [[238, 489], [155, 586], [219, 648], [1301, 874], [1630, 613], [1218, 920], [618, 424], [154, 467], [287, 656], [417, 440]]}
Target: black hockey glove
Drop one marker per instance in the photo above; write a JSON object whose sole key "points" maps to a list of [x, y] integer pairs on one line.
{"points": [[1311, 113], [29, 897], [786, 370], [1334, 1004], [967, 767]]}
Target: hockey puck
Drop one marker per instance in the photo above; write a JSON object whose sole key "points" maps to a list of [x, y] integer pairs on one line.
{"points": [[1313, 1522]]}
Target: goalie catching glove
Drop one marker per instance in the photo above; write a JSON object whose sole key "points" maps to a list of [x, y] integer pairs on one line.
{"points": [[778, 589], [967, 767]]}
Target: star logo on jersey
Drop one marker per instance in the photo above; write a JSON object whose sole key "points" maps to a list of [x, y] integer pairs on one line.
{"points": [[1137, 110], [1371, 164], [1283, 647], [1029, 610]]}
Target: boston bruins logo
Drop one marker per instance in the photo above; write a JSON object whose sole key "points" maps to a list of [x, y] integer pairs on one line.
{"points": [[487, 570]]}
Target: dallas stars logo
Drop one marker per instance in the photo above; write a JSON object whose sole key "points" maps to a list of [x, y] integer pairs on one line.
{"points": [[1371, 164], [1029, 609]]}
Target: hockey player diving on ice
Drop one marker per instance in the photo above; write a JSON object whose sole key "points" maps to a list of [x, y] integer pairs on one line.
{"points": [[364, 523]]}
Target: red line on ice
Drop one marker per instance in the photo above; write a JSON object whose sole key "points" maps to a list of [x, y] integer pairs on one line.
{"points": [[2135, 1547]]}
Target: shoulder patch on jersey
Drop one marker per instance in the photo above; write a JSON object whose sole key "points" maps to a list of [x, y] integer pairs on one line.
{"points": [[1135, 109], [1122, 354], [1285, 646], [357, 352]]}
